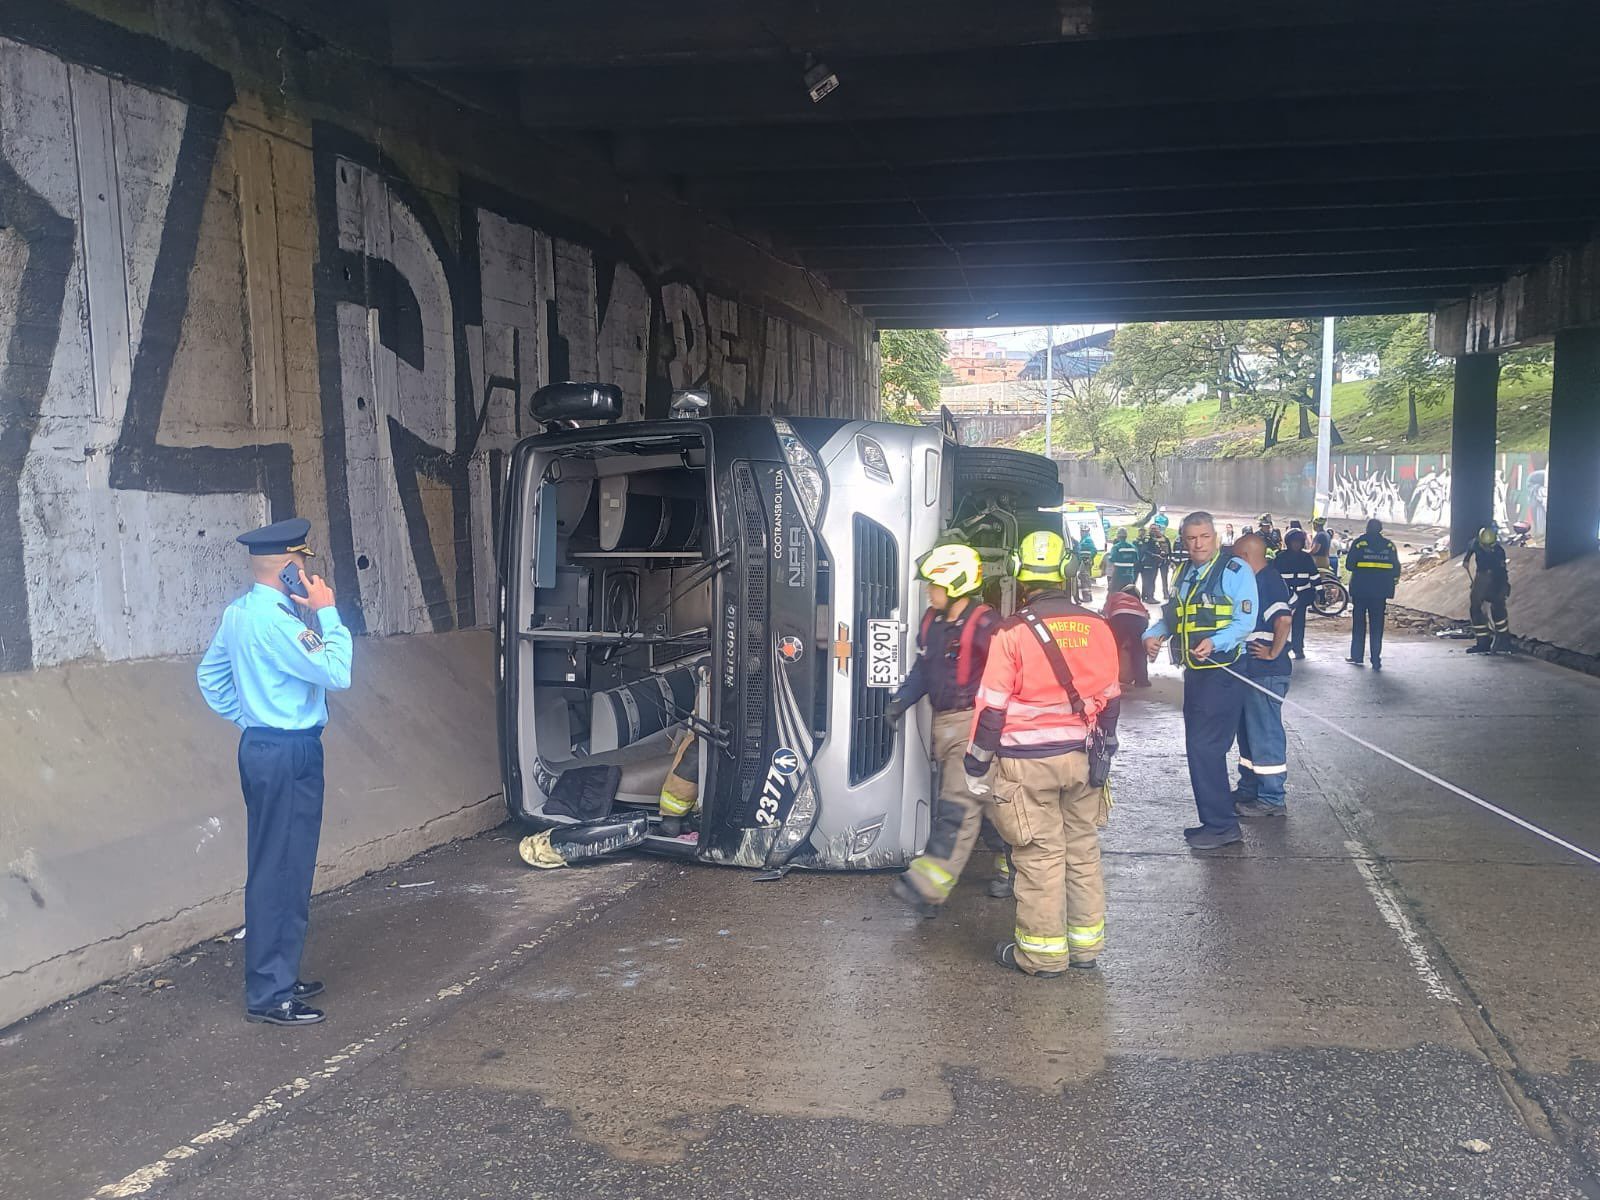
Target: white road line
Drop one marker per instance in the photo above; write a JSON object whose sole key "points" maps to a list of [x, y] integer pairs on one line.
{"points": [[1537, 830], [1395, 917], [136, 1183]]}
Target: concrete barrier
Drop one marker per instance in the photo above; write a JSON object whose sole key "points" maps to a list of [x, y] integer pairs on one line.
{"points": [[122, 832]]}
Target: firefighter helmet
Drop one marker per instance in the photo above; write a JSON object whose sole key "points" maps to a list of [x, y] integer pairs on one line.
{"points": [[1039, 559], [955, 568]]}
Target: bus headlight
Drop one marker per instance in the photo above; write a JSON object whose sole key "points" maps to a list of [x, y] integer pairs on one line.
{"points": [[803, 466], [797, 827]]}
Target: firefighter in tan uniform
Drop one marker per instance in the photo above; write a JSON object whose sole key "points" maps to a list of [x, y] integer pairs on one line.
{"points": [[680, 793], [1047, 711], [954, 644]]}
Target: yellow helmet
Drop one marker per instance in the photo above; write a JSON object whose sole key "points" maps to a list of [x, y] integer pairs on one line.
{"points": [[1488, 535], [955, 568], [1039, 558]]}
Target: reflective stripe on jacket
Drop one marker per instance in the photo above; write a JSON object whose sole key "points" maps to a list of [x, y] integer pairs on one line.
{"points": [[1120, 603], [1201, 610], [1022, 709], [1374, 566]]}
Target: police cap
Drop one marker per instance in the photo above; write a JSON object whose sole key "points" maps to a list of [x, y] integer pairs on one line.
{"points": [[281, 537]]}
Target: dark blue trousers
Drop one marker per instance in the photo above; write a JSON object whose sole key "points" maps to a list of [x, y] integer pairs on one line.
{"points": [[1366, 622], [281, 774], [1213, 702]]}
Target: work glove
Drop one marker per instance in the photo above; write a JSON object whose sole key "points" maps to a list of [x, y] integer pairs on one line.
{"points": [[895, 712], [978, 785]]}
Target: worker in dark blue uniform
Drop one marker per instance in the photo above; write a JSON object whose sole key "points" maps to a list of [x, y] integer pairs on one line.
{"points": [[1490, 586], [1374, 566], [279, 650], [1210, 613], [1298, 570]]}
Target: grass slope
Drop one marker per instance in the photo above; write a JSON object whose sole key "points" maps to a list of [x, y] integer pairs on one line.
{"points": [[1524, 426]]}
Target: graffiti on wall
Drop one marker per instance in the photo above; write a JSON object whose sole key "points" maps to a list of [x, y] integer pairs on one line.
{"points": [[211, 317], [1414, 489]]}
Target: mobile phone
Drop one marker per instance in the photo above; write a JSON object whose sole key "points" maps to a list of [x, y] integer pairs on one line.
{"points": [[290, 578]]}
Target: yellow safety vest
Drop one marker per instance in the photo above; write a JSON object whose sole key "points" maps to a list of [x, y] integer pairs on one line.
{"points": [[1200, 611]]}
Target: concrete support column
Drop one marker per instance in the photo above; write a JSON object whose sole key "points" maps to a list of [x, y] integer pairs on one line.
{"points": [[1573, 512], [1472, 431]]}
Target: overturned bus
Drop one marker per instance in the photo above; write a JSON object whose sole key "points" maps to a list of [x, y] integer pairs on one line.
{"points": [[740, 592]]}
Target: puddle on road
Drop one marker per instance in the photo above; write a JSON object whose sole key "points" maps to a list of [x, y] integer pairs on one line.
{"points": [[795, 1006], [820, 998]]}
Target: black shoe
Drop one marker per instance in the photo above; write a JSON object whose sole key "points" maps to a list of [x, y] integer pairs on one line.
{"points": [[1005, 953], [1300, 654], [1376, 665], [1087, 964], [906, 891], [1142, 683], [1194, 831], [305, 989], [290, 1012], [1259, 808], [1000, 888], [1206, 840], [671, 827], [1480, 648], [1355, 662]]}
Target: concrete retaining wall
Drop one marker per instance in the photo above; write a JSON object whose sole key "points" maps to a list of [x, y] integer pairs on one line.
{"points": [[245, 274], [122, 824], [1398, 489]]}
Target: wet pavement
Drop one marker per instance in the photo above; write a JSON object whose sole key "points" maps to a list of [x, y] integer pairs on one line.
{"points": [[1329, 1009]]}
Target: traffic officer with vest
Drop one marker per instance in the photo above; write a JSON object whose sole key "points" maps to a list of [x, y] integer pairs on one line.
{"points": [[1122, 561], [1489, 575], [280, 649], [1046, 726], [954, 646], [1374, 566], [1211, 612]]}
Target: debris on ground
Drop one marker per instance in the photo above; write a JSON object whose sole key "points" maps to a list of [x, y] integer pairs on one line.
{"points": [[1475, 1146]]}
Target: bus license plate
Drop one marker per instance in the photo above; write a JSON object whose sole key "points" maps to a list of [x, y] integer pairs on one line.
{"points": [[883, 654]]}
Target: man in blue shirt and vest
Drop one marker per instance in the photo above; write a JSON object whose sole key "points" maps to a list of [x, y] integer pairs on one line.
{"points": [[1211, 611], [279, 650]]}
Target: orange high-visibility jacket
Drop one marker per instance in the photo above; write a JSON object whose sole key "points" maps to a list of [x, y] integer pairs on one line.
{"points": [[1022, 710]]}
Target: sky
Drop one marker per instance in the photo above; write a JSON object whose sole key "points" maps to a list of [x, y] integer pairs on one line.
{"points": [[1030, 337]]}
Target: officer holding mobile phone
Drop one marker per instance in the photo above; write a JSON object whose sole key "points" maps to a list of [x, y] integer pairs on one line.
{"points": [[279, 650]]}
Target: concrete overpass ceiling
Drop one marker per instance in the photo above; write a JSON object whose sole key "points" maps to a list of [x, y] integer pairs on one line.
{"points": [[1070, 160]]}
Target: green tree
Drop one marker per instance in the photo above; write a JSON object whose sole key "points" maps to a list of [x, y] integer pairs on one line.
{"points": [[1255, 368], [1519, 365], [1409, 371], [1142, 452], [912, 361]]}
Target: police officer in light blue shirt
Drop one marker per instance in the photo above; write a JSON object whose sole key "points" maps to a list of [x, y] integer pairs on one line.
{"points": [[279, 650], [1208, 615]]}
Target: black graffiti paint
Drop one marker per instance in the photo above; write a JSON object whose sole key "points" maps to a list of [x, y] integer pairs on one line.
{"points": [[139, 461], [48, 237]]}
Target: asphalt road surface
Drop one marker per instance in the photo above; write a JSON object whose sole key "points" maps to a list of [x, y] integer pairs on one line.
{"points": [[1330, 1009]]}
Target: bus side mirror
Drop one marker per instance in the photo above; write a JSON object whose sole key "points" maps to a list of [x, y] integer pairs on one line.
{"points": [[577, 402]]}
